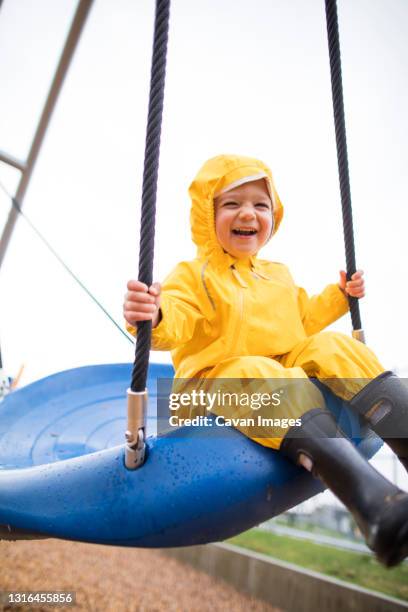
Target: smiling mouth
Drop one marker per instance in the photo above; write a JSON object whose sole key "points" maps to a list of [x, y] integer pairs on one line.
{"points": [[244, 232]]}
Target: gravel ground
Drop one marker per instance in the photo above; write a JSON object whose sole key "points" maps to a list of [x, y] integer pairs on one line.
{"points": [[115, 579]]}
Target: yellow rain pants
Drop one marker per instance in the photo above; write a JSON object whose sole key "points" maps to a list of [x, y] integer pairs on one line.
{"points": [[343, 364]]}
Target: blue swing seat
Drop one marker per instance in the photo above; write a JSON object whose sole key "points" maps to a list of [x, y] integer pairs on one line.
{"points": [[62, 470]]}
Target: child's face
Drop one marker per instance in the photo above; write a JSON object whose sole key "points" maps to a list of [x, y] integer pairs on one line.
{"points": [[243, 218]]}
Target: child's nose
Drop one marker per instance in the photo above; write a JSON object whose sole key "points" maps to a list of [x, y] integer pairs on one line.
{"points": [[247, 212]]}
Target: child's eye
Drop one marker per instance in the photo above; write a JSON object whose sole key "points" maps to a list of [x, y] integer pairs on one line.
{"points": [[262, 205], [231, 204]]}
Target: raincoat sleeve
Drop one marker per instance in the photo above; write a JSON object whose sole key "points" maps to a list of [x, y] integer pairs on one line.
{"points": [[180, 311], [319, 311]]}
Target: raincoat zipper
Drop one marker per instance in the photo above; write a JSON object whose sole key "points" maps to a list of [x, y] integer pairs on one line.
{"points": [[238, 329]]}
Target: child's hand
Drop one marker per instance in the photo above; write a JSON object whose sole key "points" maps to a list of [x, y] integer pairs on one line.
{"points": [[141, 303], [354, 287]]}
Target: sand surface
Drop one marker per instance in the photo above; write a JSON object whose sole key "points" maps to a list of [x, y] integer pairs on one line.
{"points": [[109, 578]]}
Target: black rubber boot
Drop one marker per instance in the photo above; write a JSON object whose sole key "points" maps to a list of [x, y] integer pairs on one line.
{"points": [[379, 507], [383, 403]]}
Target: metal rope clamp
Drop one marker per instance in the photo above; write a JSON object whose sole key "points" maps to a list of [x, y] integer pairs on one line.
{"points": [[135, 448], [358, 334]]}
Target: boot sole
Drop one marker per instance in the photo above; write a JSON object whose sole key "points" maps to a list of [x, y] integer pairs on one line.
{"points": [[391, 548], [400, 549]]}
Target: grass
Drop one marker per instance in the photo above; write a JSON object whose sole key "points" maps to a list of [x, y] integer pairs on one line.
{"points": [[360, 569]]}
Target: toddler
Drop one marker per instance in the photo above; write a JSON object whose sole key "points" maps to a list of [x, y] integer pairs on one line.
{"points": [[230, 315]]}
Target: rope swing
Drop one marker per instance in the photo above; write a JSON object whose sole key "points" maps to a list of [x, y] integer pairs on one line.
{"points": [[137, 394], [64, 472]]}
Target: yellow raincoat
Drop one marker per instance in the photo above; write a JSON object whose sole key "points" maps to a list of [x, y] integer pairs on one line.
{"points": [[229, 318]]}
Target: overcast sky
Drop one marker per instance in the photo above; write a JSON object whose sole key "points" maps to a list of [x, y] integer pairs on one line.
{"points": [[251, 78]]}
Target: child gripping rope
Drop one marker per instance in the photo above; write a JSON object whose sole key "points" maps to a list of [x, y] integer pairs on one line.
{"points": [[233, 321]]}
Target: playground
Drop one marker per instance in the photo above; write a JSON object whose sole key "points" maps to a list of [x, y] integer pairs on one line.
{"points": [[76, 472]]}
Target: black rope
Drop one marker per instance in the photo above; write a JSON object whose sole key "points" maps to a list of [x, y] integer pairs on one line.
{"points": [[150, 174], [341, 142]]}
